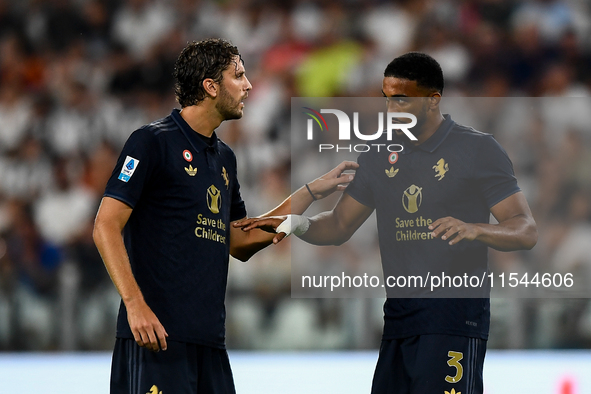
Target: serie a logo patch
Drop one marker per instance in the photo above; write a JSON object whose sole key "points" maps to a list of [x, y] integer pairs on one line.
{"points": [[129, 167]]}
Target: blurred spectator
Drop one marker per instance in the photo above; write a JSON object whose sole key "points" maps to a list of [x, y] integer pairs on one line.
{"points": [[140, 24], [391, 26], [451, 55], [62, 213], [97, 28], [35, 262], [324, 73], [73, 126], [528, 55], [10, 21], [26, 174], [78, 76], [551, 17], [15, 116], [252, 28], [63, 24]]}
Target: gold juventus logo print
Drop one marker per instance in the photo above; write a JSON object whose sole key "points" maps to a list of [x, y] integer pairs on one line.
{"points": [[214, 199], [225, 176], [412, 198], [440, 169]]}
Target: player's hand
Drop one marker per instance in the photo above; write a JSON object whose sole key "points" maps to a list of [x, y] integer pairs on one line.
{"points": [[454, 230], [334, 180], [268, 224], [147, 330]]}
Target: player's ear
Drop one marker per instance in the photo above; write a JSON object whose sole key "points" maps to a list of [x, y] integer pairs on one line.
{"points": [[211, 87], [434, 100]]}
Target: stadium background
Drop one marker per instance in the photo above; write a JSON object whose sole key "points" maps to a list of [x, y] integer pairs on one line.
{"points": [[78, 76]]}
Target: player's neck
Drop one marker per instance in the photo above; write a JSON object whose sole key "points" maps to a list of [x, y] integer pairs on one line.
{"points": [[203, 119], [429, 128]]}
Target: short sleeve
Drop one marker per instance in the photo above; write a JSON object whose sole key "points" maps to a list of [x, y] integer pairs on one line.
{"points": [[494, 172], [238, 209], [360, 188], [134, 167]]}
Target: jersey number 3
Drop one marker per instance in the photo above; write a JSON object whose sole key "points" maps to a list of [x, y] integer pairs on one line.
{"points": [[454, 361]]}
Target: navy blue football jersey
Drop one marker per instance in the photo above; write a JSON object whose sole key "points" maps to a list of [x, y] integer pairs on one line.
{"points": [[184, 194], [457, 172]]}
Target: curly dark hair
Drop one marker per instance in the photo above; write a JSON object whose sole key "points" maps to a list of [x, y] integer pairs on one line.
{"points": [[198, 61], [419, 67]]}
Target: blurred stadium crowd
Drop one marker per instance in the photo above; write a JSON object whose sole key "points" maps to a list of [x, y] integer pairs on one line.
{"points": [[78, 76]]}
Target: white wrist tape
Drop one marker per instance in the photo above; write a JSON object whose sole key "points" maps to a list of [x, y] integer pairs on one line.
{"points": [[296, 224]]}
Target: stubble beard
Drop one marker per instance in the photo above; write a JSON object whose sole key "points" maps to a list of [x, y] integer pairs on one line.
{"points": [[227, 106]]}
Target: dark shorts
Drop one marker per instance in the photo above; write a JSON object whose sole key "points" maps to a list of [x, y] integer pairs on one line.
{"points": [[184, 368], [430, 364]]}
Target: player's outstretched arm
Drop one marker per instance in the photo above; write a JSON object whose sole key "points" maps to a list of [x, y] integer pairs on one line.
{"points": [[321, 187], [110, 220], [244, 244], [516, 229], [327, 228], [337, 226]]}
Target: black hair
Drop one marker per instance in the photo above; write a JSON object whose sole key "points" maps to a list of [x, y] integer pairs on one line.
{"points": [[419, 67], [197, 62]]}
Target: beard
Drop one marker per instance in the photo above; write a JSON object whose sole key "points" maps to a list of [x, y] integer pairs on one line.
{"points": [[227, 106]]}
